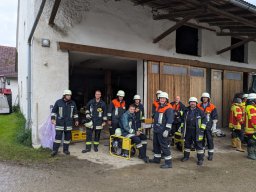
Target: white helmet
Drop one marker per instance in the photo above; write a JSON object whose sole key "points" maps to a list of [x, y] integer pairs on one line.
{"points": [[118, 132], [251, 96], [207, 95], [159, 91], [245, 95], [120, 93], [67, 92], [192, 99], [136, 97], [163, 95]]}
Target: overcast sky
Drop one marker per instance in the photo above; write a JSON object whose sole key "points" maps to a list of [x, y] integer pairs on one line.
{"points": [[8, 21]]}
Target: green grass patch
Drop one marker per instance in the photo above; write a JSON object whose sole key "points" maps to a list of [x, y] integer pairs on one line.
{"points": [[15, 141]]}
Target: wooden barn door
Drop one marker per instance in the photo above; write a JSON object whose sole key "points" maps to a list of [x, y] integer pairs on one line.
{"points": [[197, 81], [153, 84], [216, 92], [174, 80], [233, 83]]}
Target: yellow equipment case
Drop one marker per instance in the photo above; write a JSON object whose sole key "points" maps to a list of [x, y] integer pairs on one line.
{"points": [[121, 147]]}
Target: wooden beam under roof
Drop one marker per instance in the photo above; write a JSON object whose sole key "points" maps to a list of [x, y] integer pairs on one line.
{"points": [[177, 14], [54, 12], [223, 13], [142, 2], [173, 28], [231, 16], [236, 33], [236, 45]]}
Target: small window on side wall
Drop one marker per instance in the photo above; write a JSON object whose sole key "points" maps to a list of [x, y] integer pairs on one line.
{"points": [[187, 39], [238, 54]]}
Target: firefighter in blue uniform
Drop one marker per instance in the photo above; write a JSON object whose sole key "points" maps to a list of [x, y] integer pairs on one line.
{"points": [[128, 128], [63, 113], [96, 110], [139, 111], [163, 120], [211, 126], [193, 127], [116, 109]]}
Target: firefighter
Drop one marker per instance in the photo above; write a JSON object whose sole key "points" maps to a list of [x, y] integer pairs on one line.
{"points": [[235, 121], [115, 110], [128, 128], [155, 103], [250, 125], [63, 113], [98, 115], [211, 126], [139, 111], [243, 105], [193, 127], [163, 120], [178, 108], [244, 99]]}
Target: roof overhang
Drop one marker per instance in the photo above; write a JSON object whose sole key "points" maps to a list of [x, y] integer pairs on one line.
{"points": [[236, 18]]}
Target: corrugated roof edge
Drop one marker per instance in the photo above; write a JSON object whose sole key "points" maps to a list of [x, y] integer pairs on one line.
{"points": [[244, 4]]}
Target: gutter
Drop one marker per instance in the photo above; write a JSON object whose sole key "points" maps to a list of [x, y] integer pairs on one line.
{"points": [[29, 107], [243, 4]]}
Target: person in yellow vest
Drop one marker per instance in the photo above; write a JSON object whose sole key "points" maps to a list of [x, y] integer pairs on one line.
{"points": [[250, 125], [243, 105], [235, 121]]}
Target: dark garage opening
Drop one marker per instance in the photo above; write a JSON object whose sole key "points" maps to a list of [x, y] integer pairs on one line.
{"points": [[89, 72]]}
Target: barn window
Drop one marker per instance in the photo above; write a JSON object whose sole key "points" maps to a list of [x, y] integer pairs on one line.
{"points": [[187, 40], [174, 70], [196, 72], [155, 68], [233, 76], [238, 54]]}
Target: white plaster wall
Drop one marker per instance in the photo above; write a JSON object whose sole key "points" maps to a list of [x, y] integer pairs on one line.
{"points": [[26, 19], [14, 87], [110, 24]]}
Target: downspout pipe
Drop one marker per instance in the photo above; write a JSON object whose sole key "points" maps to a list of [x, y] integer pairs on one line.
{"points": [[245, 5], [29, 85]]}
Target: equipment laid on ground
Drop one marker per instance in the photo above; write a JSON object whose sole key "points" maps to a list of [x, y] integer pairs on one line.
{"points": [[5, 97], [121, 147], [78, 135]]}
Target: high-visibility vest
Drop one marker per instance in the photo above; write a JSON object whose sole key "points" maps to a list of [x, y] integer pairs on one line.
{"points": [[235, 117], [243, 105], [250, 119]]}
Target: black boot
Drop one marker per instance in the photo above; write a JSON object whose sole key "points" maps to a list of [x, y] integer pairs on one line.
{"points": [[143, 153], [210, 156], [186, 156], [55, 149], [65, 149], [167, 164], [200, 159], [96, 148], [155, 160], [54, 153], [87, 149]]}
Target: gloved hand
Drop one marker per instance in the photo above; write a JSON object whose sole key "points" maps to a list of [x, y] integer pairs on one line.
{"points": [[165, 133], [214, 128], [131, 131], [179, 130]]}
